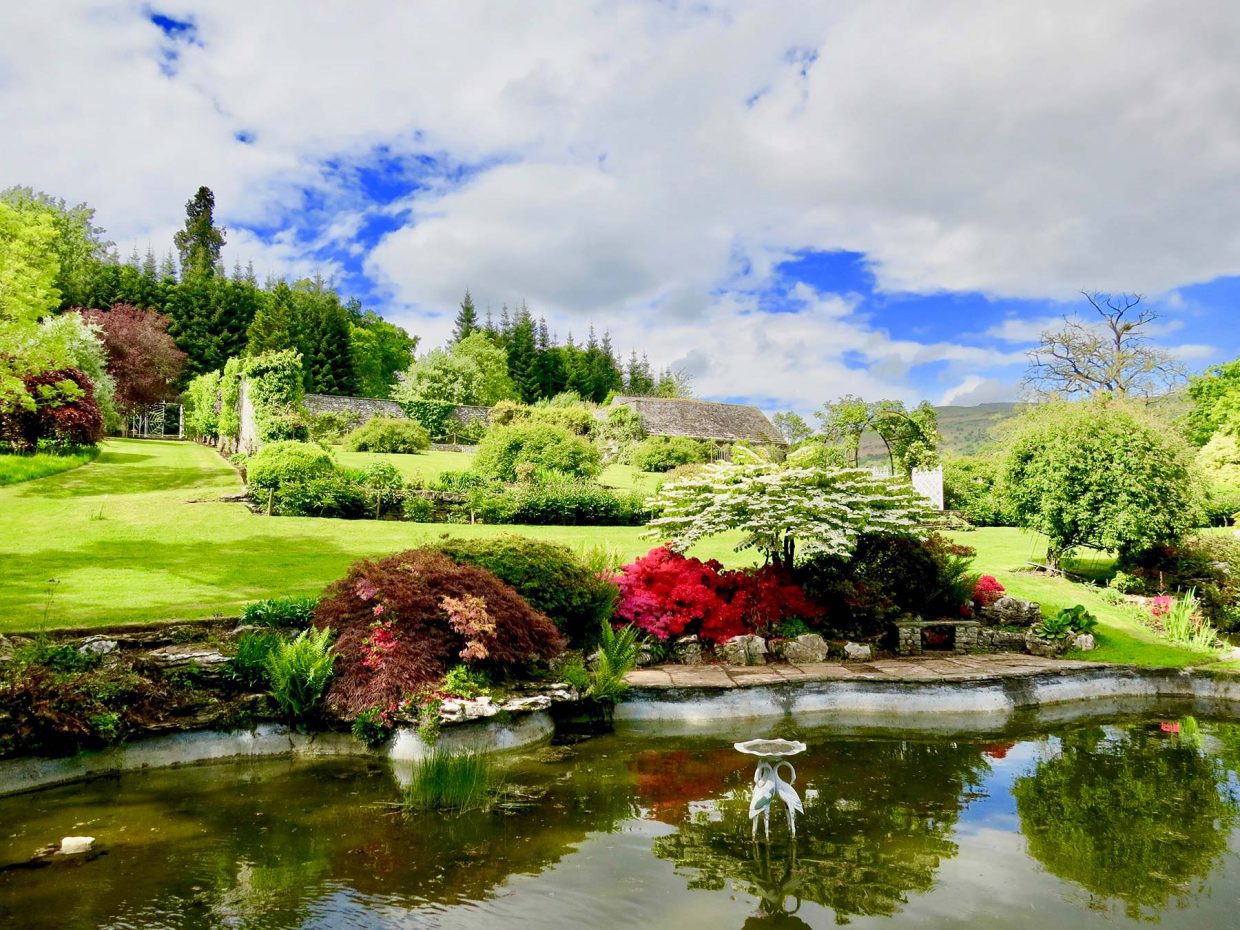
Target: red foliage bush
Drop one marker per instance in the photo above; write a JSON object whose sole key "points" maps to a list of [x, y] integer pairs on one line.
{"points": [[404, 621], [666, 594], [65, 411], [987, 591]]}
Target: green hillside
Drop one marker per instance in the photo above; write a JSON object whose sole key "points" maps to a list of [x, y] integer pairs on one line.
{"points": [[964, 430]]}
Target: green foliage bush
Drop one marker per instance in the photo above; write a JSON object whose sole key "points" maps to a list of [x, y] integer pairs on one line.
{"points": [[663, 453], [59, 657], [331, 426], [619, 432], [548, 575], [418, 509], [1125, 583], [457, 481], [1207, 562], [617, 656], [295, 612], [299, 671], [575, 418], [336, 493], [388, 434], [543, 448], [1222, 504], [433, 415], [558, 502], [888, 575], [281, 427], [1098, 474], [281, 463], [970, 488], [202, 421]]}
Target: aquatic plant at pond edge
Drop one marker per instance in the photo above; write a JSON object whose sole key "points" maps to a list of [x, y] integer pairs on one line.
{"points": [[447, 781], [617, 656], [1184, 625], [300, 670]]}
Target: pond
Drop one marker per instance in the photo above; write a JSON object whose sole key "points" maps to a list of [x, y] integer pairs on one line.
{"points": [[1093, 823]]}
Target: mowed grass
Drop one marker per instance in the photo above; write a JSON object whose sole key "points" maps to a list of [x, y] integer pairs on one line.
{"points": [[140, 535], [425, 466], [14, 469], [1005, 553]]}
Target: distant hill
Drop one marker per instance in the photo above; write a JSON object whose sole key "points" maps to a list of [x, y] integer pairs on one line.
{"points": [[964, 430]]}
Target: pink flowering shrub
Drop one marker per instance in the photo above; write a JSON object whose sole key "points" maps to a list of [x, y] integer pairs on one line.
{"points": [[667, 595], [987, 590], [1160, 606]]}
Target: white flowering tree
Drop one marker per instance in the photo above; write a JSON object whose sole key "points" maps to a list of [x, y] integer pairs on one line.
{"points": [[779, 509]]}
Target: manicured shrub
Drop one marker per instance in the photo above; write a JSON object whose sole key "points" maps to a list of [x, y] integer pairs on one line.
{"points": [[888, 575], [548, 575], [667, 595], [281, 463], [337, 493], [299, 671], [663, 453], [405, 620], [295, 612], [388, 434], [558, 502], [542, 448]]}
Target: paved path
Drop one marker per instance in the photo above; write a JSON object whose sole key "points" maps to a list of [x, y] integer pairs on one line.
{"points": [[946, 668]]}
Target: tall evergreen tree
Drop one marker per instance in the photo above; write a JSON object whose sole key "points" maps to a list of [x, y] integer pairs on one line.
{"points": [[638, 378], [273, 326], [523, 355], [466, 319], [200, 242], [549, 374]]}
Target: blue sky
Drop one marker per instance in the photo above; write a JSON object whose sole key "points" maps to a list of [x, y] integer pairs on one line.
{"points": [[791, 201]]}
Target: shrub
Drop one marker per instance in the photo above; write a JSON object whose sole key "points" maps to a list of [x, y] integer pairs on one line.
{"points": [[559, 502], [299, 671], [1206, 562], [620, 432], [432, 614], [335, 493], [1125, 583], [58, 657], [388, 434], [418, 509], [452, 781], [663, 453], [575, 418], [548, 575], [1222, 504], [970, 489], [248, 666], [199, 410], [372, 726], [888, 575], [281, 463], [543, 448], [330, 426], [1183, 624], [282, 427], [295, 612], [433, 415], [65, 411], [987, 591], [464, 682], [666, 595], [457, 481]]}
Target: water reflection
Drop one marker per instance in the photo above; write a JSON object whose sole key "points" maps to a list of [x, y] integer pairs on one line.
{"points": [[878, 822], [1132, 819], [1140, 815]]}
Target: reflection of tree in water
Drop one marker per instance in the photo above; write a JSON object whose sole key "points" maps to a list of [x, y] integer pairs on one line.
{"points": [[878, 821], [1141, 816]]}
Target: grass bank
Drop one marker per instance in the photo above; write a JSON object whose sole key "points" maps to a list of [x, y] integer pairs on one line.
{"points": [[14, 469], [140, 535]]}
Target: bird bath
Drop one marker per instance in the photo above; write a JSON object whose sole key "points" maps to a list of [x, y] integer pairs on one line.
{"points": [[768, 785]]}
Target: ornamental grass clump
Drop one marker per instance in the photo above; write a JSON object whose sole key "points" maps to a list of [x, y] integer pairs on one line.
{"points": [[1184, 625], [447, 781], [405, 621]]}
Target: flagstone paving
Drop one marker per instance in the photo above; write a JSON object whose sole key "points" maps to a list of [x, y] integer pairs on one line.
{"points": [[927, 669]]}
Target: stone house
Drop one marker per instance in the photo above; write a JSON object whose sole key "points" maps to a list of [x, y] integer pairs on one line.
{"points": [[707, 420]]}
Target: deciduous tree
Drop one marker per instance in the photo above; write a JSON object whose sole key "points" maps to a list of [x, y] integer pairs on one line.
{"points": [[143, 359]]}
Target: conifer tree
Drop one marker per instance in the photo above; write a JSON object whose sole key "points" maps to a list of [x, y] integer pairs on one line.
{"points": [[523, 355], [200, 242], [466, 319]]}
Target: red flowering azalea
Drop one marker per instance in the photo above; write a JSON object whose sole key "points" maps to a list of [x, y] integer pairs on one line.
{"points": [[987, 590], [666, 595]]}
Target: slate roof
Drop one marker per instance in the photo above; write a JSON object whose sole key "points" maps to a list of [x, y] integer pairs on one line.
{"points": [[701, 419]]}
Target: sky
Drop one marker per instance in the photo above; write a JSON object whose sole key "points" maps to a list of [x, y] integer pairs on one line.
{"points": [[790, 201]]}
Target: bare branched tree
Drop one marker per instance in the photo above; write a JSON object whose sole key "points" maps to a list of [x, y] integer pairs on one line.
{"points": [[1112, 355]]}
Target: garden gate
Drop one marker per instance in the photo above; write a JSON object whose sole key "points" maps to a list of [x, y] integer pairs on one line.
{"points": [[158, 421]]}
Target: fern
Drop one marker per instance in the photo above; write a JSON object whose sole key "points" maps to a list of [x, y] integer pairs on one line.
{"points": [[299, 671]]}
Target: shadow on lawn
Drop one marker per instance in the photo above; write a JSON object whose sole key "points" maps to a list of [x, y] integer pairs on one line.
{"points": [[219, 573], [103, 481]]}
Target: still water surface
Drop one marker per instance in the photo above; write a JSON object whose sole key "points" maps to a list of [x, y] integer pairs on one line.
{"points": [[1089, 825]]}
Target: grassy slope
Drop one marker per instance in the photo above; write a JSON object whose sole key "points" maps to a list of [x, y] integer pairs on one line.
{"points": [[1004, 552], [125, 546], [14, 469]]}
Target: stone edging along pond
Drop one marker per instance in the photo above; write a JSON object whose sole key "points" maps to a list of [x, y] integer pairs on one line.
{"points": [[982, 702]]}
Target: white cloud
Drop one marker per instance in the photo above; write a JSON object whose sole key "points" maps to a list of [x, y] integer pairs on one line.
{"points": [[958, 145], [975, 389]]}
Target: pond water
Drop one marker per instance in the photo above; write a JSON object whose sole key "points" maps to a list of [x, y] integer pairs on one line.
{"points": [[1097, 823]]}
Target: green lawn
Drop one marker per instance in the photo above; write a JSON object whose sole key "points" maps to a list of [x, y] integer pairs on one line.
{"points": [[425, 465], [1004, 552], [124, 544], [140, 535], [14, 469]]}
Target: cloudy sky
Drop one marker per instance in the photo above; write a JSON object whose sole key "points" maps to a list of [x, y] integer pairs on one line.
{"points": [[789, 200]]}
